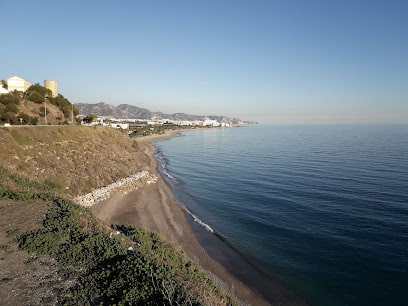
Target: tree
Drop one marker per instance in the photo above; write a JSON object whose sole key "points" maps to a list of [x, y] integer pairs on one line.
{"points": [[36, 93], [9, 99], [26, 118], [64, 105], [5, 117], [90, 118], [34, 120], [11, 108], [4, 84], [39, 89], [35, 97]]}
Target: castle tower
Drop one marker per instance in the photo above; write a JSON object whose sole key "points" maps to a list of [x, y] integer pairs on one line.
{"points": [[53, 86]]}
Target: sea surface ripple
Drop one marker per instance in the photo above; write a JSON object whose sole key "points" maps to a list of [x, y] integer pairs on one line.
{"points": [[322, 208]]}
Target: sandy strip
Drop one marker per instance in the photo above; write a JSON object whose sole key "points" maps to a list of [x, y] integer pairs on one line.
{"points": [[154, 207]]}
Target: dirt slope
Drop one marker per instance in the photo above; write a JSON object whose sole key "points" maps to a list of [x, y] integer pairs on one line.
{"points": [[76, 158]]}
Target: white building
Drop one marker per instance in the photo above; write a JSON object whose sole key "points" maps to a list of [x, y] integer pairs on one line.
{"points": [[209, 122], [17, 83], [123, 126]]}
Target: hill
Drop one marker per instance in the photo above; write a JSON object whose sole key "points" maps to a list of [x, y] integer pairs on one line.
{"points": [[36, 106], [126, 111], [102, 109], [75, 158], [55, 252]]}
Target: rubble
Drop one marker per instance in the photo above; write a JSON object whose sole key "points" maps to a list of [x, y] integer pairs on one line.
{"points": [[132, 182]]}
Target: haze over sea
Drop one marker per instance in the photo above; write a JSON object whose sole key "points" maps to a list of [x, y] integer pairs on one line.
{"points": [[322, 208]]}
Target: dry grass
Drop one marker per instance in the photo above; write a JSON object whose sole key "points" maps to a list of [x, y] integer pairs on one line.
{"points": [[54, 114], [77, 158]]}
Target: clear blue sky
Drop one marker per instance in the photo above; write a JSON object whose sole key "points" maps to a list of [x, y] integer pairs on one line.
{"points": [[287, 61]]}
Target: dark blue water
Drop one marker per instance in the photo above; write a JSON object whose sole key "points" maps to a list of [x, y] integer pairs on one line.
{"points": [[322, 208]]}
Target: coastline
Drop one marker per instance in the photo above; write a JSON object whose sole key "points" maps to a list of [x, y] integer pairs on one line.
{"points": [[154, 207]]}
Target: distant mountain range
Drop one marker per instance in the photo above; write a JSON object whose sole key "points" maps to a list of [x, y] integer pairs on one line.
{"points": [[126, 111]]}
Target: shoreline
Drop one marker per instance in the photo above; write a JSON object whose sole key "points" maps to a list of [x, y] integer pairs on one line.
{"points": [[155, 208]]}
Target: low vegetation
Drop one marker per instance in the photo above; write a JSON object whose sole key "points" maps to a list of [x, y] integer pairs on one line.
{"points": [[123, 265], [86, 262], [147, 130]]}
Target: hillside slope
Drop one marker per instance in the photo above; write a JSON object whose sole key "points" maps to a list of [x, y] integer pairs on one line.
{"points": [[76, 158], [54, 252], [36, 106]]}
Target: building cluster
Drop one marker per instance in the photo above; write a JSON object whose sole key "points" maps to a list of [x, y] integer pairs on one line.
{"points": [[126, 123], [16, 83], [206, 122]]}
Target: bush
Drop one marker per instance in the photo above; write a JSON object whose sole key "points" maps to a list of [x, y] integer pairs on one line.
{"points": [[6, 99], [64, 105], [89, 250], [106, 272], [37, 92], [40, 242], [35, 97]]}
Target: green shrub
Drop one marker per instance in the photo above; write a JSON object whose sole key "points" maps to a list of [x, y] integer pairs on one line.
{"points": [[36, 93], [40, 242], [105, 270], [9, 98], [89, 250], [36, 97]]}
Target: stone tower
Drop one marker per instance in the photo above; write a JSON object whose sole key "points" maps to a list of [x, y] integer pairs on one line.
{"points": [[53, 86]]}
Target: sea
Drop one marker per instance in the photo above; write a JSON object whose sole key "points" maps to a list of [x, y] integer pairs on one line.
{"points": [[322, 209]]}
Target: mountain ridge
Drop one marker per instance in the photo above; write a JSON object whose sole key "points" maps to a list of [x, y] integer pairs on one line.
{"points": [[127, 111]]}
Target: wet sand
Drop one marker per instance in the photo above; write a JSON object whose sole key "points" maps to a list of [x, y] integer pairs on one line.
{"points": [[154, 207]]}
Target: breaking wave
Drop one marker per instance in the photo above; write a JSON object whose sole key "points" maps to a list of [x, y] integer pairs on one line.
{"points": [[162, 164], [196, 219]]}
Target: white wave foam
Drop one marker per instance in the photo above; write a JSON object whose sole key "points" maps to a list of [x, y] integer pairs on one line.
{"points": [[163, 165], [196, 219], [169, 175], [205, 225]]}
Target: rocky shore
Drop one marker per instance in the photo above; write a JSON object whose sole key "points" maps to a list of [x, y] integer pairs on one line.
{"points": [[130, 183]]}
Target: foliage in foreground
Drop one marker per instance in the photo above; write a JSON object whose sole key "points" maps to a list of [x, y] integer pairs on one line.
{"points": [[126, 266], [152, 273]]}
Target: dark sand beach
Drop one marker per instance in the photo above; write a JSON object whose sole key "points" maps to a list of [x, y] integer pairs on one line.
{"points": [[154, 207]]}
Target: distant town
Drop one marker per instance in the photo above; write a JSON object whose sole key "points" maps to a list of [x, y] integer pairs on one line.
{"points": [[102, 114], [124, 123]]}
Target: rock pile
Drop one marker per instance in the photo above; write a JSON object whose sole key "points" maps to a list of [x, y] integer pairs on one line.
{"points": [[132, 182]]}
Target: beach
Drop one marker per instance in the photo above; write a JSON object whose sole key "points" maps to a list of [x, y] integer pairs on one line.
{"points": [[154, 207]]}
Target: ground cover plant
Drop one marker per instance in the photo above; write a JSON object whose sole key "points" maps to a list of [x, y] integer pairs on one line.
{"points": [[100, 265]]}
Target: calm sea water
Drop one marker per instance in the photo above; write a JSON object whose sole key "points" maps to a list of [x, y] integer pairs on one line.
{"points": [[322, 208]]}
